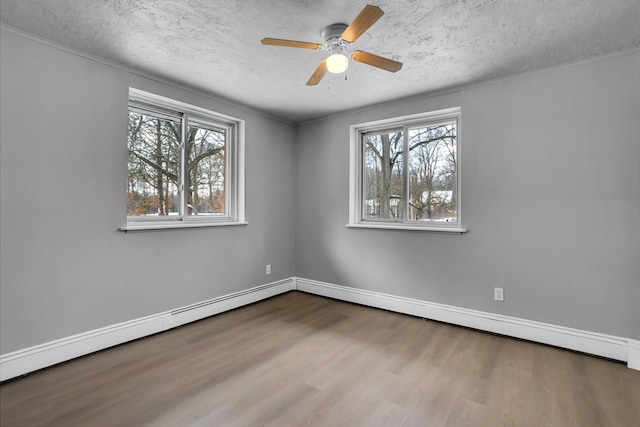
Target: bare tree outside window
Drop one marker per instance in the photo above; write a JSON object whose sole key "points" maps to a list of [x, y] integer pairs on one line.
{"points": [[432, 173], [383, 175], [154, 164], [405, 172], [206, 171], [185, 166]]}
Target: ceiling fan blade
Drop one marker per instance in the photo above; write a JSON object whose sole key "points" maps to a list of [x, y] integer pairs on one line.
{"points": [[290, 43], [376, 61], [368, 17], [318, 74]]}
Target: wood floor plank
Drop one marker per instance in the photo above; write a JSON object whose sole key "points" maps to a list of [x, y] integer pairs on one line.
{"points": [[622, 405], [303, 360]]}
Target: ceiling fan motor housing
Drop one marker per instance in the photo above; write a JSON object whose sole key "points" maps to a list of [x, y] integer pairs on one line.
{"points": [[332, 36]]}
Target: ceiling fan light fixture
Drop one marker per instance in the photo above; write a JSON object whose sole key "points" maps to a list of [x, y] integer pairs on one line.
{"points": [[337, 63]]}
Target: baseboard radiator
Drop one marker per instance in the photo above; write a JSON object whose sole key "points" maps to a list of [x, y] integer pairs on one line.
{"points": [[31, 359], [609, 346]]}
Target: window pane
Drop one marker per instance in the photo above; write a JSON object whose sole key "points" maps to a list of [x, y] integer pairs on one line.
{"points": [[432, 173], [382, 176], [154, 159], [206, 150]]}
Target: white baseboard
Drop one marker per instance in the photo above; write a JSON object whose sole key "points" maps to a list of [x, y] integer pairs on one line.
{"points": [[41, 356], [609, 346]]}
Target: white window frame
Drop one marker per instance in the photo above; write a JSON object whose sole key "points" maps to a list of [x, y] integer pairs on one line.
{"points": [[356, 133], [235, 164]]}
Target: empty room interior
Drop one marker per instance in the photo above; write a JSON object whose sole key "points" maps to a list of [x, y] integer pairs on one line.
{"points": [[320, 212]]}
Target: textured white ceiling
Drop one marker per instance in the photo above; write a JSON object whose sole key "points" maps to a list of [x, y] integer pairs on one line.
{"points": [[215, 45]]}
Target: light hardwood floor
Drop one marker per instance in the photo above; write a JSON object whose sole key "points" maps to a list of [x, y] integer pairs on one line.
{"points": [[299, 359]]}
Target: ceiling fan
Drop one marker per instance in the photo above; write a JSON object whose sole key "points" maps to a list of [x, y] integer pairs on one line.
{"points": [[337, 38]]}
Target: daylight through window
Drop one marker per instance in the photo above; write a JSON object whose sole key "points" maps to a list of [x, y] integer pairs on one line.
{"points": [[183, 165], [405, 172]]}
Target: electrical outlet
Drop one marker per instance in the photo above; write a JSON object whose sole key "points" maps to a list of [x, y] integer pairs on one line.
{"points": [[498, 294], [268, 270]]}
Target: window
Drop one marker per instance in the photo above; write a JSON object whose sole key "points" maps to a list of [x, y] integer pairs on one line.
{"points": [[185, 165], [404, 173]]}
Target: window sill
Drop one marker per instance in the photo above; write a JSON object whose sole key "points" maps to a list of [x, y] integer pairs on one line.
{"points": [[147, 226], [408, 227]]}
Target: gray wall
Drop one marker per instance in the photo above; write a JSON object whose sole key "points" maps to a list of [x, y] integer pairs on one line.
{"points": [[550, 196], [567, 138], [65, 268]]}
